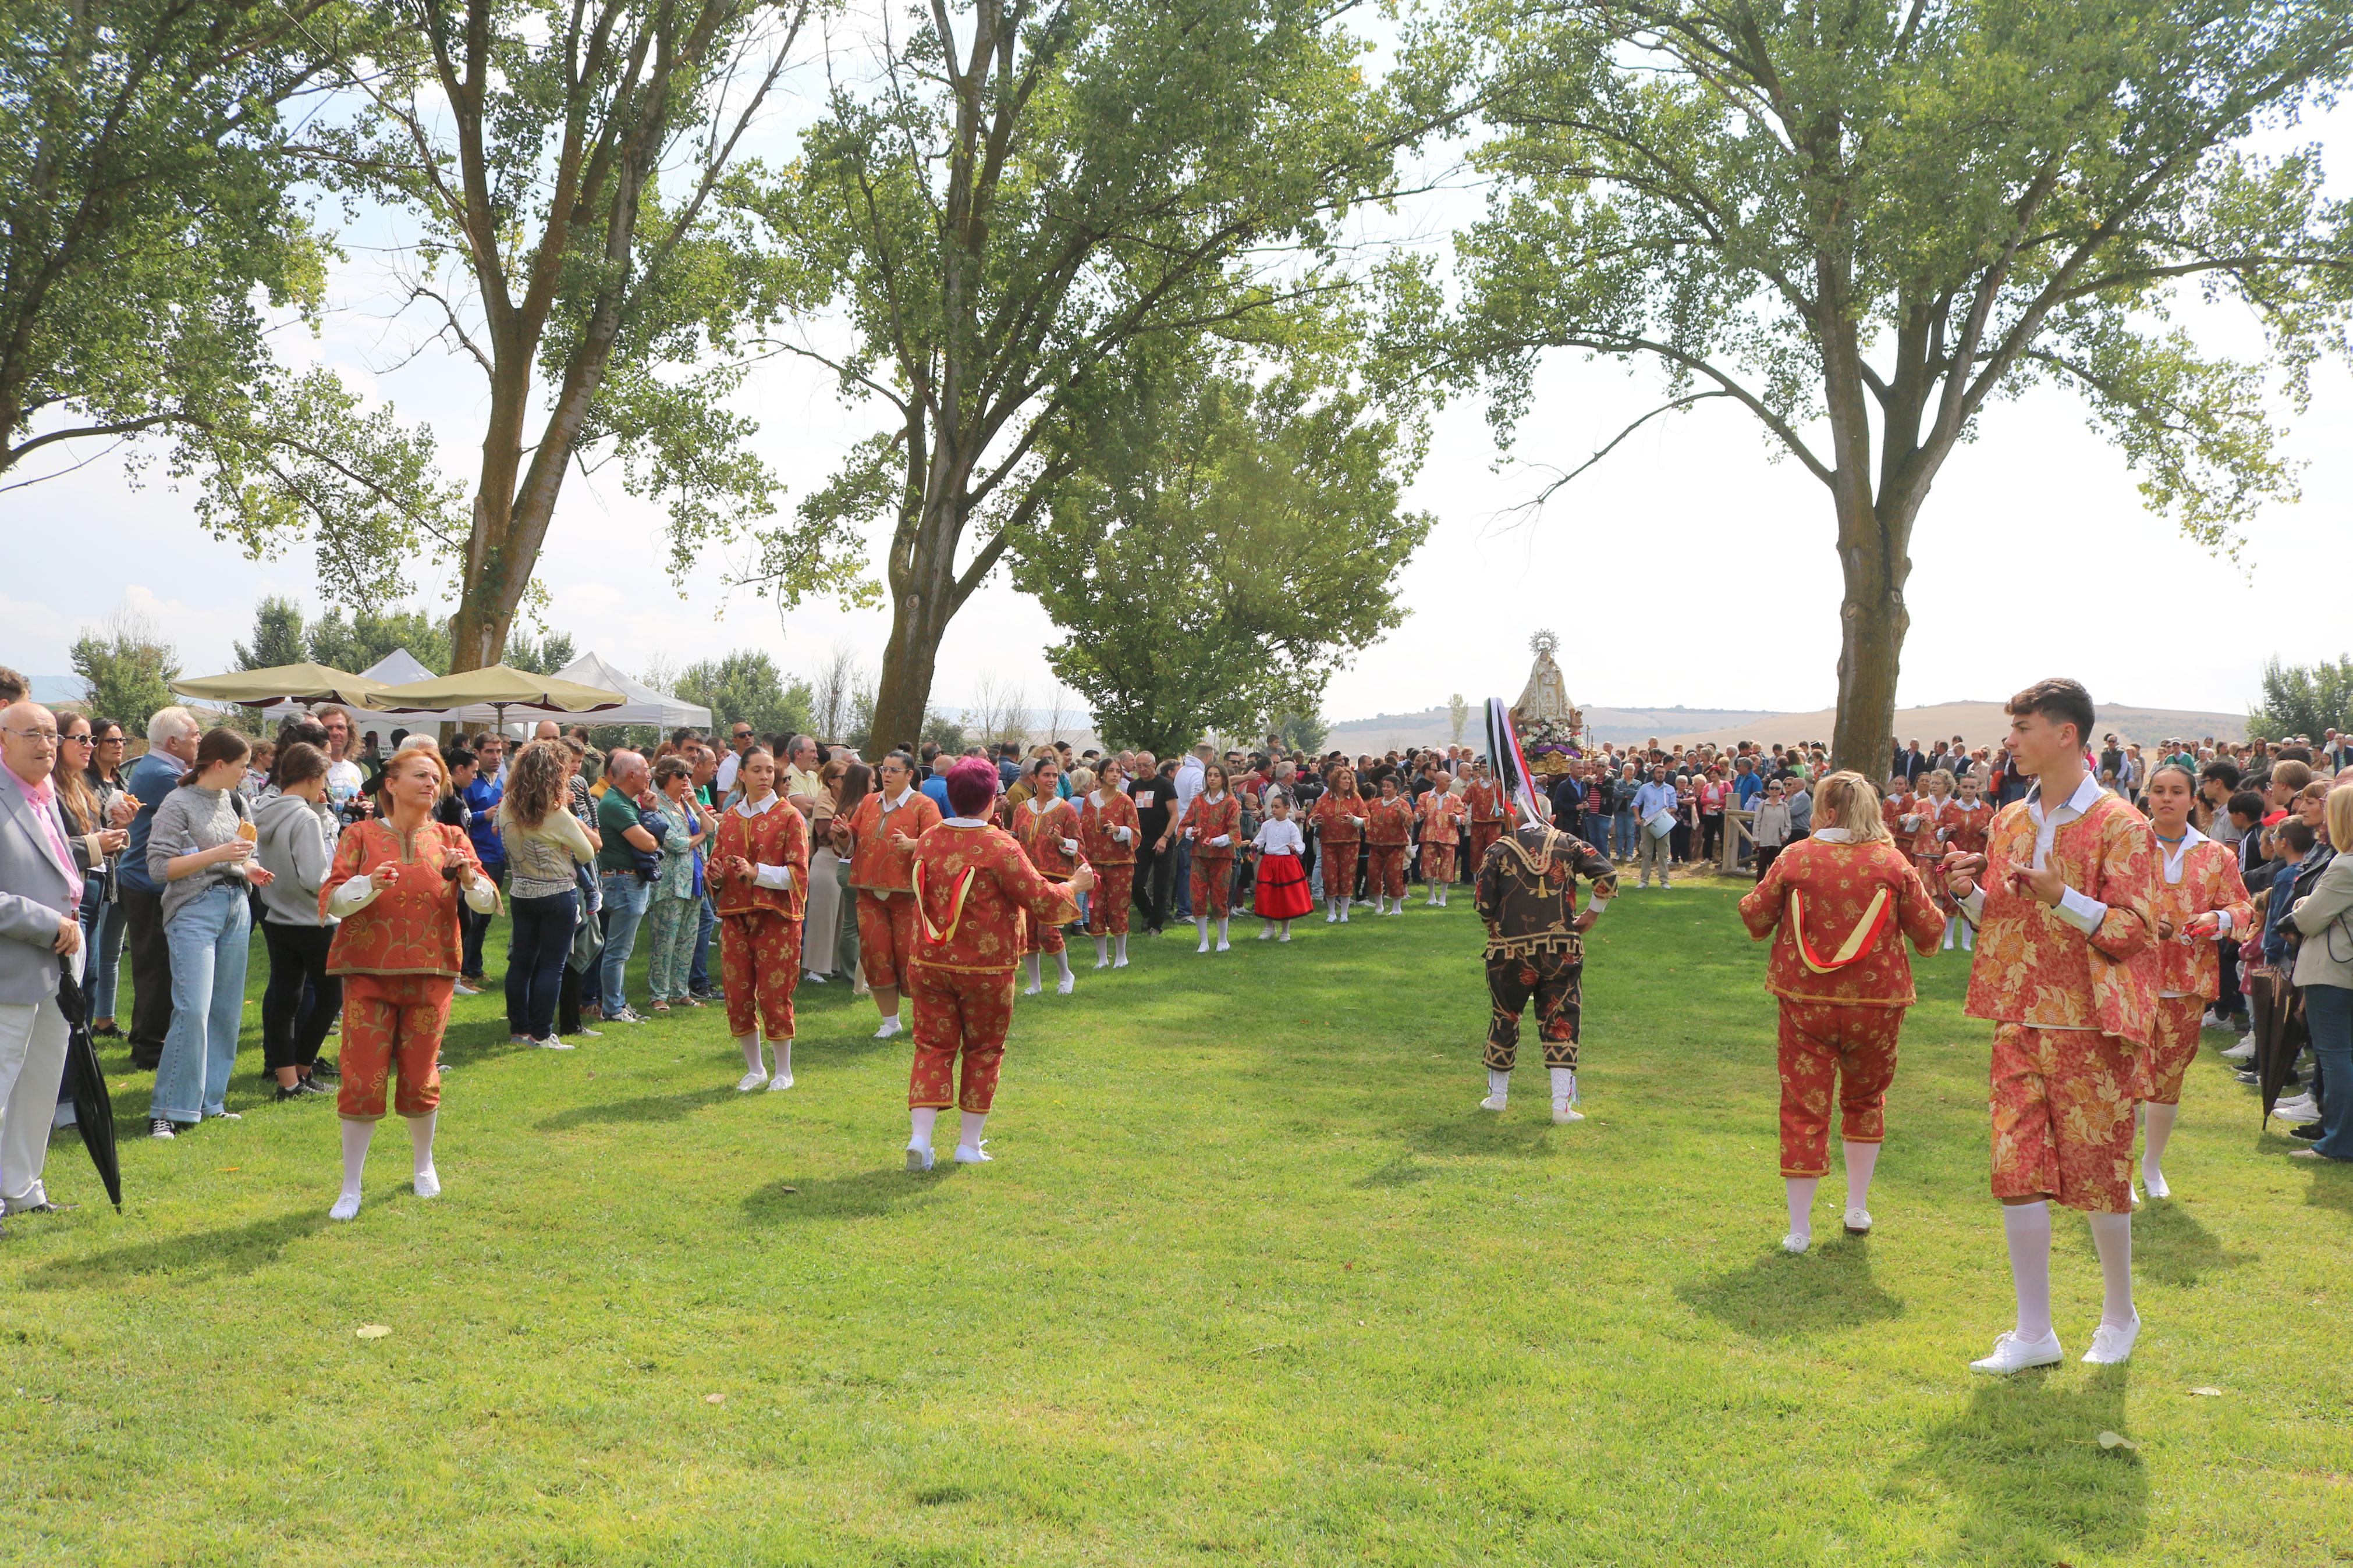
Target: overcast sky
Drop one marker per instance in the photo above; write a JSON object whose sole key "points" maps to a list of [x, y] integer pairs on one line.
{"points": [[1688, 568]]}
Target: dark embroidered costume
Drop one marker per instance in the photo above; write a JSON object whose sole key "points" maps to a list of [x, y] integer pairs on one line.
{"points": [[1528, 896]]}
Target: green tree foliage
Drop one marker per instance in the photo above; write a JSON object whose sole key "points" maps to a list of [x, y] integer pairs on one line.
{"points": [[1303, 731], [147, 161], [359, 641], [1218, 551], [559, 163], [128, 668], [1862, 225], [544, 657], [279, 635], [1012, 194], [748, 686], [2304, 700]]}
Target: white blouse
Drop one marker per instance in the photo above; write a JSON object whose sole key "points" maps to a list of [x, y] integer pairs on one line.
{"points": [[1279, 837]]}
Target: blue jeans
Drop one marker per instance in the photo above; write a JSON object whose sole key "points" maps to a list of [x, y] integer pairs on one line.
{"points": [[1627, 833], [101, 928], [2328, 1011], [1184, 878], [543, 940], [208, 940], [698, 976], [625, 906]]}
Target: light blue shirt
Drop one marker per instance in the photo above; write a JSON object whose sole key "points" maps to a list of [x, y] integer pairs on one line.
{"points": [[1653, 799]]}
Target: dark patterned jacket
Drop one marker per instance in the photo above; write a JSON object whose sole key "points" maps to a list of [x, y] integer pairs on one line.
{"points": [[1528, 889]]}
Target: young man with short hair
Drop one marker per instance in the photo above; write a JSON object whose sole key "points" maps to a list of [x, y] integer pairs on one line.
{"points": [[2066, 970]]}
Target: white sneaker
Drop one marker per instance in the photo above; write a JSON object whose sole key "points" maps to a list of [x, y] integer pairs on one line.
{"points": [[1795, 1245], [813, 977], [751, 1080], [2298, 1112], [1033, 989], [1204, 947], [918, 1159], [1565, 1111], [425, 1184], [2245, 1051], [1331, 915], [1120, 962], [1267, 935], [2112, 1347], [585, 1033], [347, 1206], [1492, 1102], [889, 1027], [2214, 1020], [967, 1154], [1858, 1222], [778, 1084], [2155, 1183], [2011, 1354], [1224, 946], [554, 1042], [1066, 984]]}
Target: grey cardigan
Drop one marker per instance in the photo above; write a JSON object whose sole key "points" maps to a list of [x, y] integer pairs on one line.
{"points": [[297, 847], [191, 819], [2325, 920]]}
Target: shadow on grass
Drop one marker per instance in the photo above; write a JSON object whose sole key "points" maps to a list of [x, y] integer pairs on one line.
{"points": [[1401, 1171], [645, 1107], [1777, 1296], [2332, 1183], [2172, 1248], [201, 1255], [2024, 1464], [862, 1196], [1486, 1133]]}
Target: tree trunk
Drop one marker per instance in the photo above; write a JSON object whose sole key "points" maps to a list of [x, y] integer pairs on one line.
{"points": [[923, 599], [1872, 622]]}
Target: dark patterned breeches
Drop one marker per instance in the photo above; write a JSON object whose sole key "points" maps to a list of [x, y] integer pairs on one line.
{"points": [[1553, 979]]}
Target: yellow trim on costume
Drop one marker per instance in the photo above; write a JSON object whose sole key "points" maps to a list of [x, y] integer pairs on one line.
{"points": [[1865, 930], [938, 936]]}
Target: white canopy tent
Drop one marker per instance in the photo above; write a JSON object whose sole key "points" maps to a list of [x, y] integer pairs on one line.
{"points": [[400, 668], [646, 706]]}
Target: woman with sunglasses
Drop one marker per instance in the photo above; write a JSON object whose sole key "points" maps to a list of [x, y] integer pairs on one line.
{"points": [[99, 755]]}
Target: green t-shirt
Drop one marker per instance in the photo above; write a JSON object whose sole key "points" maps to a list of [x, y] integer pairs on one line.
{"points": [[616, 815]]}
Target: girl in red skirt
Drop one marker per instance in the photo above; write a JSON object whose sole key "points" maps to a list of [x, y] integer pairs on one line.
{"points": [[1282, 882]]}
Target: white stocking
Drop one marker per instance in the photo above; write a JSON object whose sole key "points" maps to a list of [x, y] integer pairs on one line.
{"points": [[1862, 1159], [968, 1136], [1062, 964], [1221, 929], [1968, 937], [427, 1180], [1801, 1204], [1564, 1083], [1122, 947], [1201, 924], [920, 1122], [1029, 967], [1499, 1084], [357, 1134], [784, 1051], [2160, 1129], [751, 1045], [1950, 921], [2027, 1229], [1102, 950], [2112, 1236]]}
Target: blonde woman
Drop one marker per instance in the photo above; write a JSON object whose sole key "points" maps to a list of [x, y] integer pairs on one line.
{"points": [[821, 925], [1838, 905]]}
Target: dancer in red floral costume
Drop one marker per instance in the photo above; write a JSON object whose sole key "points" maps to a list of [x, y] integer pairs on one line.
{"points": [[1486, 799], [1108, 829], [759, 888], [394, 886], [1442, 814], [1337, 819], [972, 888], [1838, 905], [1214, 823], [2202, 899], [1388, 832], [1047, 829], [2064, 902], [879, 841]]}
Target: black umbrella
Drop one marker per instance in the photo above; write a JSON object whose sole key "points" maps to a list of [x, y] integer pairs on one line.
{"points": [[86, 1081], [2279, 1037]]}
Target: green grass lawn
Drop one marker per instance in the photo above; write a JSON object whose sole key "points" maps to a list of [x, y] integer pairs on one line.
{"points": [[1252, 1279]]}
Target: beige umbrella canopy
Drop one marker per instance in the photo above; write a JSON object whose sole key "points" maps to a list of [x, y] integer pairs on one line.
{"points": [[284, 683], [497, 687]]}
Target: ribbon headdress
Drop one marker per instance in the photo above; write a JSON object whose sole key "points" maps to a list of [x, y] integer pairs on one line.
{"points": [[1511, 767]]}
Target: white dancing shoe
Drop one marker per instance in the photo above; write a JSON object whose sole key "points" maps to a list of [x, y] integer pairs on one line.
{"points": [[967, 1154], [751, 1080], [1285, 937], [1858, 1222], [1493, 1102], [2245, 1051], [1565, 1111], [2156, 1183], [918, 1158], [347, 1206], [889, 1027], [1204, 947], [1033, 989], [1120, 962], [2112, 1347], [1104, 962], [781, 1082], [2011, 1355], [1331, 915], [1267, 934], [1795, 1245], [425, 1184], [1066, 984], [1224, 946]]}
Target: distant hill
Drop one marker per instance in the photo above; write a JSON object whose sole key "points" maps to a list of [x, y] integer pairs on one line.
{"points": [[1434, 726]]}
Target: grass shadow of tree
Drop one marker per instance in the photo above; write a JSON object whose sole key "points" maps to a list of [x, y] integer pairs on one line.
{"points": [[1485, 1133], [2024, 1464], [1777, 1296], [2172, 1248], [1401, 1171], [2332, 1184], [644, 1107], [864, 1196], [234, 1250]]}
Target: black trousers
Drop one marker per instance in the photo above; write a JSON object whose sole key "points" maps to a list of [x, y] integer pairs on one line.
{"points": [[151, 975], [1155, 883], [2230, 1003], [295, 1015]]}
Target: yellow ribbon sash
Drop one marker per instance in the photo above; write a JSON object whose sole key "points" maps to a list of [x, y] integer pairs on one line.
{"points": [[939, 936], [1865, 932]]}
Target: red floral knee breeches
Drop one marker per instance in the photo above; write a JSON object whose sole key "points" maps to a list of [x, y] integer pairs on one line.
{"points": [[759, 961], [1387, 877], [959, 1013], [2062, 1117], [1107, 905], [1213, 884], [886, 936], [2157, 1071], [1830, 1051], [392, 1023]]}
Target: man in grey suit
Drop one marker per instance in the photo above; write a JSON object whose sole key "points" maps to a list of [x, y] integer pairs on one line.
{"points": [[41, 895]]}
